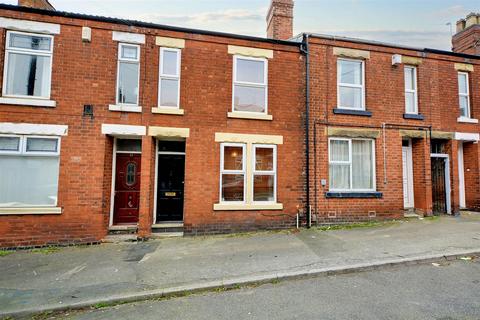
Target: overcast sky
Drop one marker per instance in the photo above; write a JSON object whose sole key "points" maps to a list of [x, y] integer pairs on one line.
{"points": [[411, 22]]}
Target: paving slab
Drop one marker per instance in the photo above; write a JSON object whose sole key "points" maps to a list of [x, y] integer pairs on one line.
{"points": [[76, 276]]}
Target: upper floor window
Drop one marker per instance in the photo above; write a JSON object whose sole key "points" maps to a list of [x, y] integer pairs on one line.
{"points": [[28, 65], [352, 164], [250, 84], [464, 94], [351, 84], [29, 167], [169, 83], [128, 77], [411, 97]]}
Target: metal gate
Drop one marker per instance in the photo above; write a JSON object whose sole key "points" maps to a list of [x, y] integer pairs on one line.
{"points": [[439, 189]]}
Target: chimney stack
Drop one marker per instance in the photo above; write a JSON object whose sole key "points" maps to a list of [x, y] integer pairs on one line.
{"points": [[37, 4], [280, 20], [467, 36]]}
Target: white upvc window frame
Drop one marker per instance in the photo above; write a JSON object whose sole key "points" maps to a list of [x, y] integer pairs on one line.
{"points": [[233, 172], [12, 152], [43, 53], [22, 148], [127, 60], [256, 172], [350, 163], [414, 91], [467, 95], [250, 84], [22, 151], [349, 85], [162, 75]]}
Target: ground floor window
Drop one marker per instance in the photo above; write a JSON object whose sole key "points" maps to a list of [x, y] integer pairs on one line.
{"points": [[235, 171], [352, 164], [29, 169]]}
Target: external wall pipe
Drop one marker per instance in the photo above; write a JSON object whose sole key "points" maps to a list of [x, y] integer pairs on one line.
{"points": [[305, 51]]}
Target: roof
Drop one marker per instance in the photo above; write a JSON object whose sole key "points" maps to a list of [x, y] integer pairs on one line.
{"points": [[295, 41], [141, 24], [386, 44]]}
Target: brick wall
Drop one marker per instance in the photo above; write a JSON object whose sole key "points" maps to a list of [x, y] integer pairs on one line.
{"points": [[438, 103], [85, 73]]}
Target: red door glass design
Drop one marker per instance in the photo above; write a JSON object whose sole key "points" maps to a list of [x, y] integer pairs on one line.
{"points": [[127, 189]]}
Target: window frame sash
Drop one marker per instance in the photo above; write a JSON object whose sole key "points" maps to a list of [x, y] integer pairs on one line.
{"points": [[121, 60], [256, 172], [466, 94], [163, 76], [13, 152], [42, 53], [350, 163], [414, 90], [263, 85], [27, 153], [224, 171], [350, 85]]}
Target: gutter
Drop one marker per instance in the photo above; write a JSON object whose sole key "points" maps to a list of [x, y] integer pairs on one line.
{"points": [[394, 46], [305, 50]]}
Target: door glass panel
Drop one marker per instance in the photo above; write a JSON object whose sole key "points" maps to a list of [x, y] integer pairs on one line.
{"points": [[129, 145], [131, 174]]}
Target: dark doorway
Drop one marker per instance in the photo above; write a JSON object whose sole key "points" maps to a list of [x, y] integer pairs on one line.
{"points": [[127, 188], [170, 181], [439, 190]]}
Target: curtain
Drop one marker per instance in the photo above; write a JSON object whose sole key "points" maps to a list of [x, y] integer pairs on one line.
{"points": [[28, 181], [339, 172], [362, 164]]}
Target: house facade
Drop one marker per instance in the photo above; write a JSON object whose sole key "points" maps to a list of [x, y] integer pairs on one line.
{"points": [[111, 126]]}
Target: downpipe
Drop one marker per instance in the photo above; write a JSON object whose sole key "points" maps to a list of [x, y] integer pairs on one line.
{"points": [[305, 50]]}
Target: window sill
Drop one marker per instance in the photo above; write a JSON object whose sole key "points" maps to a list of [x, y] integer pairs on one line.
{"points": [[363, 113], [357, 195], [246, 207], [30, 211], [124, 108], [28, 102], [413, 116], [467, 120], [168, 110], [250, 115]]}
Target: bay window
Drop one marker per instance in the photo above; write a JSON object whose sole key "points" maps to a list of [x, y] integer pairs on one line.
{"points": [[29, 167], [28, 65], [352, 164], [169, 83], [351, 84], [128, 76], [250, 88], [411, 97], [464, 94]]}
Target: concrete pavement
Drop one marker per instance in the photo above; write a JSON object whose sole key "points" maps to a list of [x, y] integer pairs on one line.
{"points": [[449, 291], [75, 277]]}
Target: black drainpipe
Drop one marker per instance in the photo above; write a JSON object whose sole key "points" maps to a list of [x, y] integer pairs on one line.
{"points": [[305, 51]]}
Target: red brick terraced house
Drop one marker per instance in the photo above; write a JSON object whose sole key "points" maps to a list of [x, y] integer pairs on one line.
{"points": [[110, 126]]}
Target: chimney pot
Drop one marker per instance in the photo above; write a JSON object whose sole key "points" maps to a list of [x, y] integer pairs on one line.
{"points": [[280, 19], [37, 4]]}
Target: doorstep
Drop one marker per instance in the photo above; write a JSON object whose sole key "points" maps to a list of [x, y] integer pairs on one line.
{"points": [[167, 229]]}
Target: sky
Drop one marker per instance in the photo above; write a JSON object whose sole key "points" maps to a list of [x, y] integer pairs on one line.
{"points": [[420, 23]]}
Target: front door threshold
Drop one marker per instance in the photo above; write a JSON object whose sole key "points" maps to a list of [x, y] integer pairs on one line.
{"points": [[123, 227], [168, 224]]}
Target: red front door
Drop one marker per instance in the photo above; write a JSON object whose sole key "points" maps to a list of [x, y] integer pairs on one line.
{"points": [[127, 188]]}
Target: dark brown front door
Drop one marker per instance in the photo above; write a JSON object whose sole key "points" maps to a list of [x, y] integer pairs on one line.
{"points": [[439, 195], [127, 188]]}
